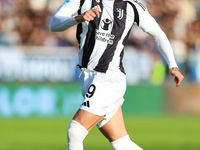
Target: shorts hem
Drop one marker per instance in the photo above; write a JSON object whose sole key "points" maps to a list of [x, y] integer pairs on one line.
{"points": [[90, 111]]}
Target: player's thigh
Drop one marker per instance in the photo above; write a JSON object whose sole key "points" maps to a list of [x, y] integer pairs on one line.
{"points": [[115, 127], [87, 119]]}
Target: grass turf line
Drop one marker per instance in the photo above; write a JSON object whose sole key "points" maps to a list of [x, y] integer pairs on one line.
{"points": [[151, 133]]}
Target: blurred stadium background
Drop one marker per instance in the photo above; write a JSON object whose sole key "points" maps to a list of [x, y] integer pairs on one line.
{"points": [[40, 89]]}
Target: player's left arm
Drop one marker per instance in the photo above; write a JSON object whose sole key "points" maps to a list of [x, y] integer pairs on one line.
{"points": [[148, 24], [178, 77]]}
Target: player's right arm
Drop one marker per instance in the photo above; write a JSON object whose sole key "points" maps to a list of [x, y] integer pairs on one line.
{"points": [[64, 18], [89, 15]]}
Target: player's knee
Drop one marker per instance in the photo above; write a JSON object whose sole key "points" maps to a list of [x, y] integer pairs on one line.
{"points": [[76, 132], [72, 134]]}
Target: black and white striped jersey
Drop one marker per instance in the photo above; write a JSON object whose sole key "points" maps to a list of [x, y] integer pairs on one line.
{"points": [[102, 40]]}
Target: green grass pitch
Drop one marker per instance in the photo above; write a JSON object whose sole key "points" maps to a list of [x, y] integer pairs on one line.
{"points": [[151, 133]]}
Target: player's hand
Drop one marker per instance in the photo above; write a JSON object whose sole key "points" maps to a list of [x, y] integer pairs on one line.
{"points": [[178, 77], [89, 15]]}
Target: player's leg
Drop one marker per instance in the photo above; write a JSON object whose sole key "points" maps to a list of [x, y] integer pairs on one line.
{"points": [[79, 127], [114, 130], [118, 129], [87, 119]]}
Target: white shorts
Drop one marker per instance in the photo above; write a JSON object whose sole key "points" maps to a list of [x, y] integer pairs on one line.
{"points": [[103, 93]]}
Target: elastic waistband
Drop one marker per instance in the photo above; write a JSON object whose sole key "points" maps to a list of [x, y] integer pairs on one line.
{"points": [[83, 69]]}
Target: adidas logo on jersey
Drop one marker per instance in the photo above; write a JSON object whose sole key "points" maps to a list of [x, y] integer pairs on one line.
{"points": [[87, 104]]}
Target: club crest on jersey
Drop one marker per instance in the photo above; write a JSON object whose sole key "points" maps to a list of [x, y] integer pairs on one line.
{"points": [[120, 13], [106, 24], [98, 1]]}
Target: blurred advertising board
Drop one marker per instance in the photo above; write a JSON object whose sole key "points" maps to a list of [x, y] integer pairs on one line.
{"points": [[39, 100], [63, 100], [58, 64], [38, 64], [42, 82]]}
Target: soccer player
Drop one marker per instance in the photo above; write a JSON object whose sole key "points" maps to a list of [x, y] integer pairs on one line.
{"points": [[102, 31]]}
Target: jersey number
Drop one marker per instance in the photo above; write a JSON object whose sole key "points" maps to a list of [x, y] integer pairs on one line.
{"points": [[91, 91]]}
